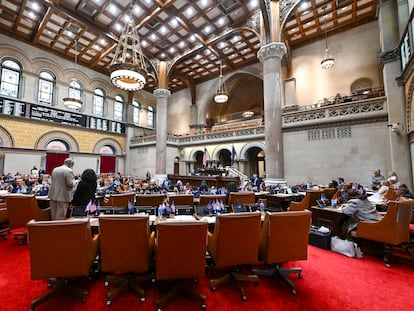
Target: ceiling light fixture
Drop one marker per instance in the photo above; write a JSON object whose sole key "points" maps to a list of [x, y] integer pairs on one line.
{"points": [[71, 102], [328, 61], [221, 96], [127, 69]]}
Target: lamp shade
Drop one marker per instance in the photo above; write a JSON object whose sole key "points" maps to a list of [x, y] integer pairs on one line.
{"points": [[221, 98], [72, 103]]}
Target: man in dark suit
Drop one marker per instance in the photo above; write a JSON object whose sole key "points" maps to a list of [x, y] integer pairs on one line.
{"points": [[256, 181], [60, 193]]}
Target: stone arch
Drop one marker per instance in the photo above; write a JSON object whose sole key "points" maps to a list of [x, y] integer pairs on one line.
{"points": [[191, 156], [46, 138], [217, 150], [6, 139], [361, 84], [108, 142], [18, 55], [247, 146]]}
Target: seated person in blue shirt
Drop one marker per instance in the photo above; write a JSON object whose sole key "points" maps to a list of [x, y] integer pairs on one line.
{"points": [[203, 187]]}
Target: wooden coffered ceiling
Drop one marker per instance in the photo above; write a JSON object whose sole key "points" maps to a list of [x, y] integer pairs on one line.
{"points": [[196, 34]]}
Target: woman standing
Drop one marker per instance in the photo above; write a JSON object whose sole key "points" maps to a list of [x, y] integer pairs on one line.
{"points": [[85, 191]]}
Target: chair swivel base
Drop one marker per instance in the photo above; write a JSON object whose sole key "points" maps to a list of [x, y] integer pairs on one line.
{"points": [[181, 287], [278, 270], [21, 237], [121, 282], [4, 232], [60, 286], [235, 277]]}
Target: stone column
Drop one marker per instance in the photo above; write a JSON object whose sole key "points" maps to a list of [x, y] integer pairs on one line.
{"points": [[388, 21], [270, 56], [161, 96]]}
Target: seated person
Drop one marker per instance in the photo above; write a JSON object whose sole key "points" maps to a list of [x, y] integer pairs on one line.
{"points": [[341, 183], [358, 208], [378, 197], [404, 192], [393, 179], [203, 187], [376, 179]]}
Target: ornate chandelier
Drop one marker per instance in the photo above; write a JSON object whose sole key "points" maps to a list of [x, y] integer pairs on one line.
{"points": [[72, 102], [328, 61], [127, 69], [221, 96]]}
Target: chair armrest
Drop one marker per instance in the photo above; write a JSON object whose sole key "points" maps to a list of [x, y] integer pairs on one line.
{"points": [[151, 244], [42, 214], [93, 251], [211, 244]]}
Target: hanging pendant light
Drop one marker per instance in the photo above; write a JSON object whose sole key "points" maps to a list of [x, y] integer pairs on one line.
{"points": [[71, 102], [127, 69], [328, 61], [221, 96]]}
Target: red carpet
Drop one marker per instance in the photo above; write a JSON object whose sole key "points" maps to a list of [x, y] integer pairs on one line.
{"points": [[330, 282]]}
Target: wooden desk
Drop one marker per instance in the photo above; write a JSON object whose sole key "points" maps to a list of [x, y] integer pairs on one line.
{"points": [[331, 218]]}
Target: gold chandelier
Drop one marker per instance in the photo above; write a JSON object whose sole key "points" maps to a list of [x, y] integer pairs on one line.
{"points": [[328, 61], [221, 96], [127, 69]]}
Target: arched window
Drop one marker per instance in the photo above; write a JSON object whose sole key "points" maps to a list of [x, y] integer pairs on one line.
{"points": [[118, 108], [150, 117], [10, 78], [75, 89], [137, 108], [98, 103], [106, 149], [46, 87], [57, 145]]}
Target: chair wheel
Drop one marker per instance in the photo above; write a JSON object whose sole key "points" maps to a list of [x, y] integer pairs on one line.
{"points": [[83, 300], [213, 288], [243, 297], [106, 283], [300, 275], [108, 302], [195, 281], [203, 306], [256, 283], [293, 291], [142, 299]]}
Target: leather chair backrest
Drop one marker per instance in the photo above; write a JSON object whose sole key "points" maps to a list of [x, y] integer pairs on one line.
{"points": [[329, 192], [124, 243], [181, 250], [236, 239], [393, 228], [149, 199], [185, 199], [391, 194], [242, 198], [284, 236], [61, 248], [204, 199], [20, 209], [122, 199]]}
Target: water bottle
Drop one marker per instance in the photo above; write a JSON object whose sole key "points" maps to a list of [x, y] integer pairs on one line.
{"points": [[262, 207]]}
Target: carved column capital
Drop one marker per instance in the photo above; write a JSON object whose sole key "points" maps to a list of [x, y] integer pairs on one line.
{"points": [[274, 49], [389, 56], [162, 93]]}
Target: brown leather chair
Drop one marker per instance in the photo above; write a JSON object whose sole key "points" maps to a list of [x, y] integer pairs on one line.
{"points": [[126, 251], [233, 245], [21, 208], [391, 230], [391, 194], [247, 197], [284, 237], [309, 200], [4, 221], [182, 199], [204, 199], [61, 251], [119, 201], [181, 256], [329, 192], [149, 199]]}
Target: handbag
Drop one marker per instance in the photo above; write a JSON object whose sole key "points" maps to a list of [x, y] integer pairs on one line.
{"points": [[345, 247]]}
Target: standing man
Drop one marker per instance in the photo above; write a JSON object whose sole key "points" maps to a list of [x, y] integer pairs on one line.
{"points": [[60, 193]]}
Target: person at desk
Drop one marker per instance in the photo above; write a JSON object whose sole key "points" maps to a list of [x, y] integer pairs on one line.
{"points": [[376, 179], [231, 187], [86, 189], [358, 208], [256, 182], [404, 193], [203, 187], [60, 193]]}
